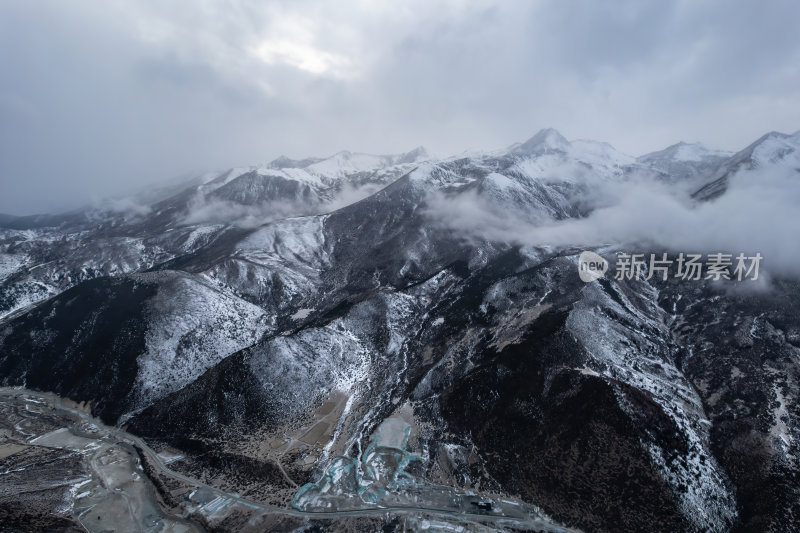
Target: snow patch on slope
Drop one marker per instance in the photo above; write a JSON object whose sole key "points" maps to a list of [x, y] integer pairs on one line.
{"points": [[628, 350], [10, 263], [192, 327]]}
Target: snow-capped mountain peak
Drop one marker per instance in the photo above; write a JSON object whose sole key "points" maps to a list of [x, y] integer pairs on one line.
{"points": [[413, 156], [686, 152], [546, 140], [775, 147], [287, 162], [774, 150]]}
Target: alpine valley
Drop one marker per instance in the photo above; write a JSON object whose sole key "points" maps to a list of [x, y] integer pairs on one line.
{"points": [[396, 343]]}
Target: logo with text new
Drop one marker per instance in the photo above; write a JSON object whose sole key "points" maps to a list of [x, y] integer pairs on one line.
{"points": [[591, 266]]}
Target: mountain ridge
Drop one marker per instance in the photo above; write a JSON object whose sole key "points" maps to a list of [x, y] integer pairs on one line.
{"points": [[292, 340]]}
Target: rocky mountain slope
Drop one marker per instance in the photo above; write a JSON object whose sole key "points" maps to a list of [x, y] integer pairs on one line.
{"points": [[374, 329]]}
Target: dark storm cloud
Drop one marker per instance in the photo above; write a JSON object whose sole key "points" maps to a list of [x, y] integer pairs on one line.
{"points": [[102, 97]]}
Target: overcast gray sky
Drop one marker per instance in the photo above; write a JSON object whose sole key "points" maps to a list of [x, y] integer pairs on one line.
{"points": [[100, 97]]}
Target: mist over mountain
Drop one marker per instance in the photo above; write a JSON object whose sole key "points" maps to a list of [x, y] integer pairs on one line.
{"points": [[400, 340]]}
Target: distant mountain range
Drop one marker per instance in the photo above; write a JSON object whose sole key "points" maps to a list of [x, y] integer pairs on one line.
{"points": [[281, 315]]}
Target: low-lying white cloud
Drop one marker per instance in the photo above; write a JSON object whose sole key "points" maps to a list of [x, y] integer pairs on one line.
{"points": [[757, 213], [208, 210], [203, 210]]}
